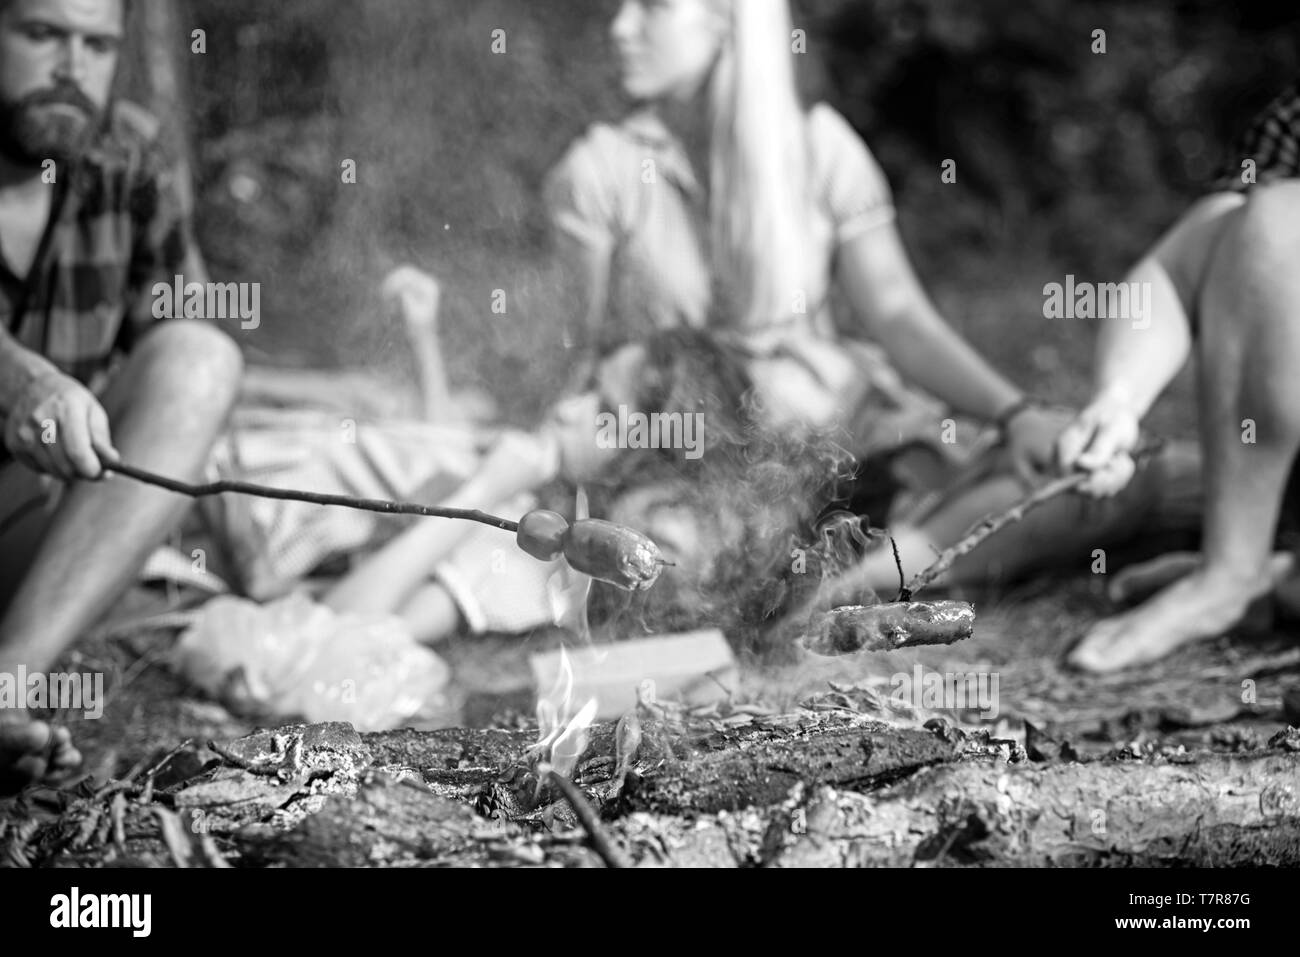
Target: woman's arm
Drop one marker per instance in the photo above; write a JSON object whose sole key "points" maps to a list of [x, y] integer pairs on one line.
{"points": [[888, 299], [895, 311]]}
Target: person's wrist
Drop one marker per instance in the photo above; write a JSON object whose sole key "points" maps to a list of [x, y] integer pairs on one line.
{"points": [[1118, 400], [18, 379]]}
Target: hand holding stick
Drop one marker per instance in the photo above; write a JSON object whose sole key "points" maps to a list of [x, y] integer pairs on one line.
{"points": [[995, 523]]}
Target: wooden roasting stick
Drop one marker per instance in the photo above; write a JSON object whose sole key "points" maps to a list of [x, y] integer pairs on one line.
{"points": [[611, 553], [907, 623], [313, 498]]}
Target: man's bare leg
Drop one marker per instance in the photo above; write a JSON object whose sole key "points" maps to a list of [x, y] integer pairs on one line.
{"points": [[166, 406], [1248, 352]]}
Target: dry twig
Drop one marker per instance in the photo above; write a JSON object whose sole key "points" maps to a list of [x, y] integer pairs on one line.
{"points": [[600, 842], [313, 498], [995, 523]]}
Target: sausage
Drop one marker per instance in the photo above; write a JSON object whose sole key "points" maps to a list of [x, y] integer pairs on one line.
{"points": [[541, 534], [613, 554], [854, 628]]}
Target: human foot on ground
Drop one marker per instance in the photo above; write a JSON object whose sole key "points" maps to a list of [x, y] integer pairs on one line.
{"points": [[1200, 605], [1139, 582], [31, 752], [1287, 593], [1136, 583]]}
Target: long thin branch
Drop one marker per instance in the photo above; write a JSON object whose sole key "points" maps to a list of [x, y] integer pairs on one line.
{"points": [[600, 842], [990, 526], [1145, 452], [312, 498]]}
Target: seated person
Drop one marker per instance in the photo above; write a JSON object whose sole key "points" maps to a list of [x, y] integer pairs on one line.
{"points": [[699, 209], [1226, 290], [80, 258], [440, 576]]}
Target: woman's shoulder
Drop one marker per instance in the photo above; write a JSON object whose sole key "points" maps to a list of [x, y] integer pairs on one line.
{"points": [[613, 148], [846, 174], [602, 168], [832, 140]]}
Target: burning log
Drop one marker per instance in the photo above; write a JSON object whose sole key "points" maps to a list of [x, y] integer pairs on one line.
{"points": [[834, 789], [771, 765], [855, 628]]}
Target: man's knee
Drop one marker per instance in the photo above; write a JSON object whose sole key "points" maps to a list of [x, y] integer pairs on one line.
{"points": [[206, 361]]}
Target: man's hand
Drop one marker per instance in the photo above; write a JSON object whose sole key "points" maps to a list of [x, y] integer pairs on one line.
{"points": [[1031, 440], [56, 426], [1101, 441]]}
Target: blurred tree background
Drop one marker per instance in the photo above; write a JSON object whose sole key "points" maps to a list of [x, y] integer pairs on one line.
{"points": [[1068, 161]]}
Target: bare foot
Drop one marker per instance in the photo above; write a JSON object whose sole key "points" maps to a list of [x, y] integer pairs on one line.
{"points": [[32, 752], [1288, 594], [1137, 583], [1199, 606]]}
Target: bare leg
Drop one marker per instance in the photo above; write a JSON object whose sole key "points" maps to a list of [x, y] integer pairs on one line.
{"points": [[1248, 352], [431, 614], [166, 408]]}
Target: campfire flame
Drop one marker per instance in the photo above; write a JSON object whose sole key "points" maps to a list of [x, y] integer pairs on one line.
{"points": [[562, 734], [569, 589], [572, 741]]}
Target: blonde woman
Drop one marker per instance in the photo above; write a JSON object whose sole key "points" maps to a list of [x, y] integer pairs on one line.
{"points": [[720, 202], [721, 205]]}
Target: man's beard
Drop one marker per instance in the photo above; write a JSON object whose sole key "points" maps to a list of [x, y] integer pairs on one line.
{"points": [[32, 130]]}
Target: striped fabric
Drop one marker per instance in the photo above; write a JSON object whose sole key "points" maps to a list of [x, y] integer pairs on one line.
{"points": [[1272, 142], [119, 224]]}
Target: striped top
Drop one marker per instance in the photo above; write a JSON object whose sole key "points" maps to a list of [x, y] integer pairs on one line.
{"points": [[118, 225], [1271, 142]]}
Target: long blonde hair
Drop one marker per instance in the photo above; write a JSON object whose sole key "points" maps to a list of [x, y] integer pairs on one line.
{"points": [[759, 165]]}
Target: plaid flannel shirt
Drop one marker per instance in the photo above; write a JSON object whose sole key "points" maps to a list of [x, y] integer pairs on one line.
{"points": [[119, 224], [1272, 141]]}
